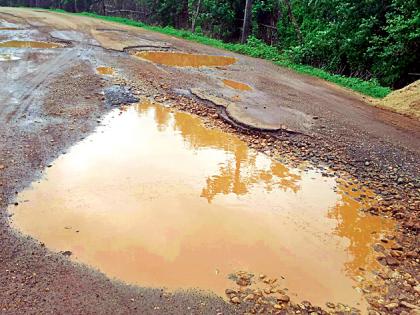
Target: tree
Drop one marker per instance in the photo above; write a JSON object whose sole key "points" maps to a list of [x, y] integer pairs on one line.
{"points": [[195, 16], [369, 39], [247, 21]]}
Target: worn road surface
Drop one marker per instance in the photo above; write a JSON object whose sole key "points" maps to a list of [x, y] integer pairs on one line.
{"points": [[52, 98]]}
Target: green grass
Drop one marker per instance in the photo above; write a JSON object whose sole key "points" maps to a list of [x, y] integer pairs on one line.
{"points": [[258, 49]]}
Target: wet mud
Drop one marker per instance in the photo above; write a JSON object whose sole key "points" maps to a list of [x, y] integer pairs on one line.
{"points": [[157, 199], [185, 60]]}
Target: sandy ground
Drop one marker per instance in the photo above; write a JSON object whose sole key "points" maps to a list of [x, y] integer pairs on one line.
{"points": [[53, 98], [405, 101]]}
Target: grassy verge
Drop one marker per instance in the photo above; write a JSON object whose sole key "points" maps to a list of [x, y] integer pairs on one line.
{"points": [[256, 48]]}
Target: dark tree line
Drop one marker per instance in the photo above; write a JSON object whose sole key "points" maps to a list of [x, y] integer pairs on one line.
{"points": [[370, 39]]}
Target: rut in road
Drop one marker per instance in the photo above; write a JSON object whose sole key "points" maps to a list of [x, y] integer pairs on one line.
{"points": [[27, 87]]}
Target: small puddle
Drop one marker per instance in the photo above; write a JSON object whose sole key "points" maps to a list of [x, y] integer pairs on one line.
{"points": [[8, 57], [105, 70], [237, 85], [9, 29], [185, 60], [29, 44], [157, 199]]}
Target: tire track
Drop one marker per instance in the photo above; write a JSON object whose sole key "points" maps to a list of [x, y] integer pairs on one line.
{"points": [[26, 95]]}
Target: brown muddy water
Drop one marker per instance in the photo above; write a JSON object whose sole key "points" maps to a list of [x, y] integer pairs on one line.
{"points": [[105, 70], [237, 85], [29, 44], [155, 198], [185, 60], [9, 29]]}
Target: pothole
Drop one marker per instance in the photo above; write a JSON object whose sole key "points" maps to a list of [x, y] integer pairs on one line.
{"points": [[30, 44], [237, 85], [157, 199], [111, 30], [105, 70], [9, 29], [185, 60], [145, 48]]}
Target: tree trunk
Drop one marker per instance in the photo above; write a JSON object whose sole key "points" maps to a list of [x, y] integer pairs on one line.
{"points": [[195, 17], [247, 21], [293, 20]]}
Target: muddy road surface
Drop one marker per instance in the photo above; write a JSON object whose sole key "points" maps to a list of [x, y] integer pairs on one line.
{"points": [[144, 174]]}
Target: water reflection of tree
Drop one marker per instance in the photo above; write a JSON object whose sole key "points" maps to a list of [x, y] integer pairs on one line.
{"points": [[240, 171], [362, 230], [238, 176]]}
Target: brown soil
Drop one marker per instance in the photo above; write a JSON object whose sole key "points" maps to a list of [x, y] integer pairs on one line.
{"points": [[55, 98], [405, 101]]}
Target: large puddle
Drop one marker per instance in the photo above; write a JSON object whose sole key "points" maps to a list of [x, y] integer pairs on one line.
{"points": [[29, 44], [155, 198], [185, 60]]}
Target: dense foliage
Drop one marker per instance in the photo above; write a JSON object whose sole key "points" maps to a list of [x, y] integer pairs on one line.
{"points": [[369, 39]]}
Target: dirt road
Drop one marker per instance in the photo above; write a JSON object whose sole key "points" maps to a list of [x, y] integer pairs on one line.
{"points": [[52, 98]]}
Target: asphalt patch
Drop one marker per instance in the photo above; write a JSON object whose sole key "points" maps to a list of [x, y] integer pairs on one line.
{"points": [[118, 95]]}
